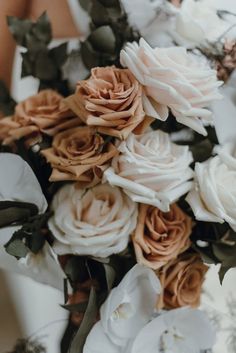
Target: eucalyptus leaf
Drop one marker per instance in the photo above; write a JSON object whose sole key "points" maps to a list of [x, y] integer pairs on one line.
{"points": [[103, 39], [42, 29], [110, 3], [90, 57], [59, 54], [45, 68], [222, 272], [76, 269], [27, 65], [7, 103], [110, 275], [99, 14], [19, 28], [86, 325], [202, 150], [12, 215], [17, 248], [85, 4]]}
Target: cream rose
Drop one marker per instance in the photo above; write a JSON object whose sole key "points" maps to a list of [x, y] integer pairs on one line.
{"points": [[95, 222], [173, 79], [213, 198], [161, 236], [197, 23], [151, 169]]}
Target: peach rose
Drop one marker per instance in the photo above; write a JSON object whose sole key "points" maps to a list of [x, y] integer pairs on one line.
{"points": [[182, 281], [79, 154], [111, 100], [161, 236], [44, 112]]}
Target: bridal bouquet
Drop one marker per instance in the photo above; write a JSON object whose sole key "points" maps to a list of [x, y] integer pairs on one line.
{"points": [[122, 189]]}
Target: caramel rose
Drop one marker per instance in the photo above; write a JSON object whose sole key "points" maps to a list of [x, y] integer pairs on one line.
{"points": [[44, 112], [79, 154], [182, 281], [161, 236], [111, 100]]}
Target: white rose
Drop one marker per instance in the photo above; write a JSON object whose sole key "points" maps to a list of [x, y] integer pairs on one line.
{"points": [[95, 222], [151, 169], [197, 23], [173, 79], [214, 197], [18, 182], [180, 331], [226, 107], [154, 26], [127, 310]]}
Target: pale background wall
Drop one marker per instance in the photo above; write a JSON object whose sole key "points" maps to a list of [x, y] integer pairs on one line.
{"points": [[38, 305]]}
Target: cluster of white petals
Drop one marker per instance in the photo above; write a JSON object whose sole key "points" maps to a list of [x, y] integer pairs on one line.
{"points": [[151, 169], [213, 197], [96, 222], [197, 24], [128, 323], [173, 79]]}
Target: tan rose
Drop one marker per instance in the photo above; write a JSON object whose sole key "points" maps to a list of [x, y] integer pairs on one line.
{"points": [[44, 112], [182, 281], [161, 236], [111, 100], [79, 154]]}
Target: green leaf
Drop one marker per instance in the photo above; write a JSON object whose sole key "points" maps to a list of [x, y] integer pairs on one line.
{"points": [[85, 4], [59, 54], [202, 150], [76, 269], [110, 3], [86, 325], [7, 103], [17, 248], [110, 276], [99, 14], [90, 57], [19, 28], [45, 68], [222, 272], [103, 40], [27, 65], [15, 212], [42, 29]]}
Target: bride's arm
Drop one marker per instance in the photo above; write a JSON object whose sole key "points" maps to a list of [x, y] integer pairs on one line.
{"points": [[8, 8]]}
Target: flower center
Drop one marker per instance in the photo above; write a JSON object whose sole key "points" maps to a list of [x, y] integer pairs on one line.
{"points": [[124, 311], [169, 339]]}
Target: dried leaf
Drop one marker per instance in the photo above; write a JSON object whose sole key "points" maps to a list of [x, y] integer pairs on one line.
{"points": [[86, 325]]}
